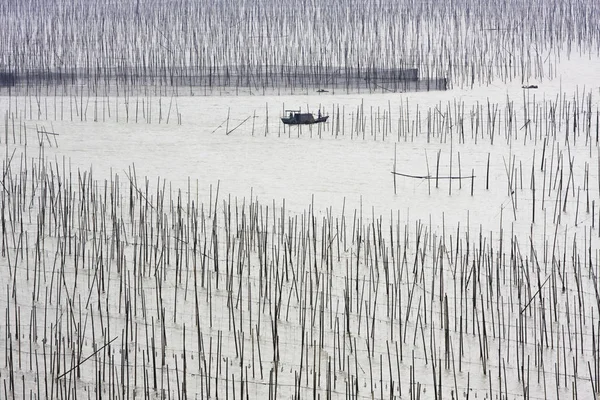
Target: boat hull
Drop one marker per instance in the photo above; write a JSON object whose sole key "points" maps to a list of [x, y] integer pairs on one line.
{"points": [[296, 121]]}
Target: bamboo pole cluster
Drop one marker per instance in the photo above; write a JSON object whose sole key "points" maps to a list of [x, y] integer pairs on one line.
{"points": [[286, 47], [129, 288]]}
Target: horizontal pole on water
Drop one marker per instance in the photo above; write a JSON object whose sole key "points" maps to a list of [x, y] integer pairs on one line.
{"points": [[87, 358], [433, 177]]}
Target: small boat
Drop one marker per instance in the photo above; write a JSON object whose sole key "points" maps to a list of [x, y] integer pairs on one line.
{"points": [[295, 117]]}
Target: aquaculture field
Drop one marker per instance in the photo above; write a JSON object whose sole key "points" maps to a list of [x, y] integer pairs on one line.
{"points": [[165, 236]]}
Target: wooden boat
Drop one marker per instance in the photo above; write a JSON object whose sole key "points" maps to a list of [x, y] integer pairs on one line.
{"points": [[295, 117]]}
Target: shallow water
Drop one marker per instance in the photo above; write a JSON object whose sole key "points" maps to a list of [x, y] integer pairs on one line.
{"points": [[314, 169]]}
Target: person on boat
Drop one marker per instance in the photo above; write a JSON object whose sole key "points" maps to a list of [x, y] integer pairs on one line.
{"points": [[319, 114]]}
